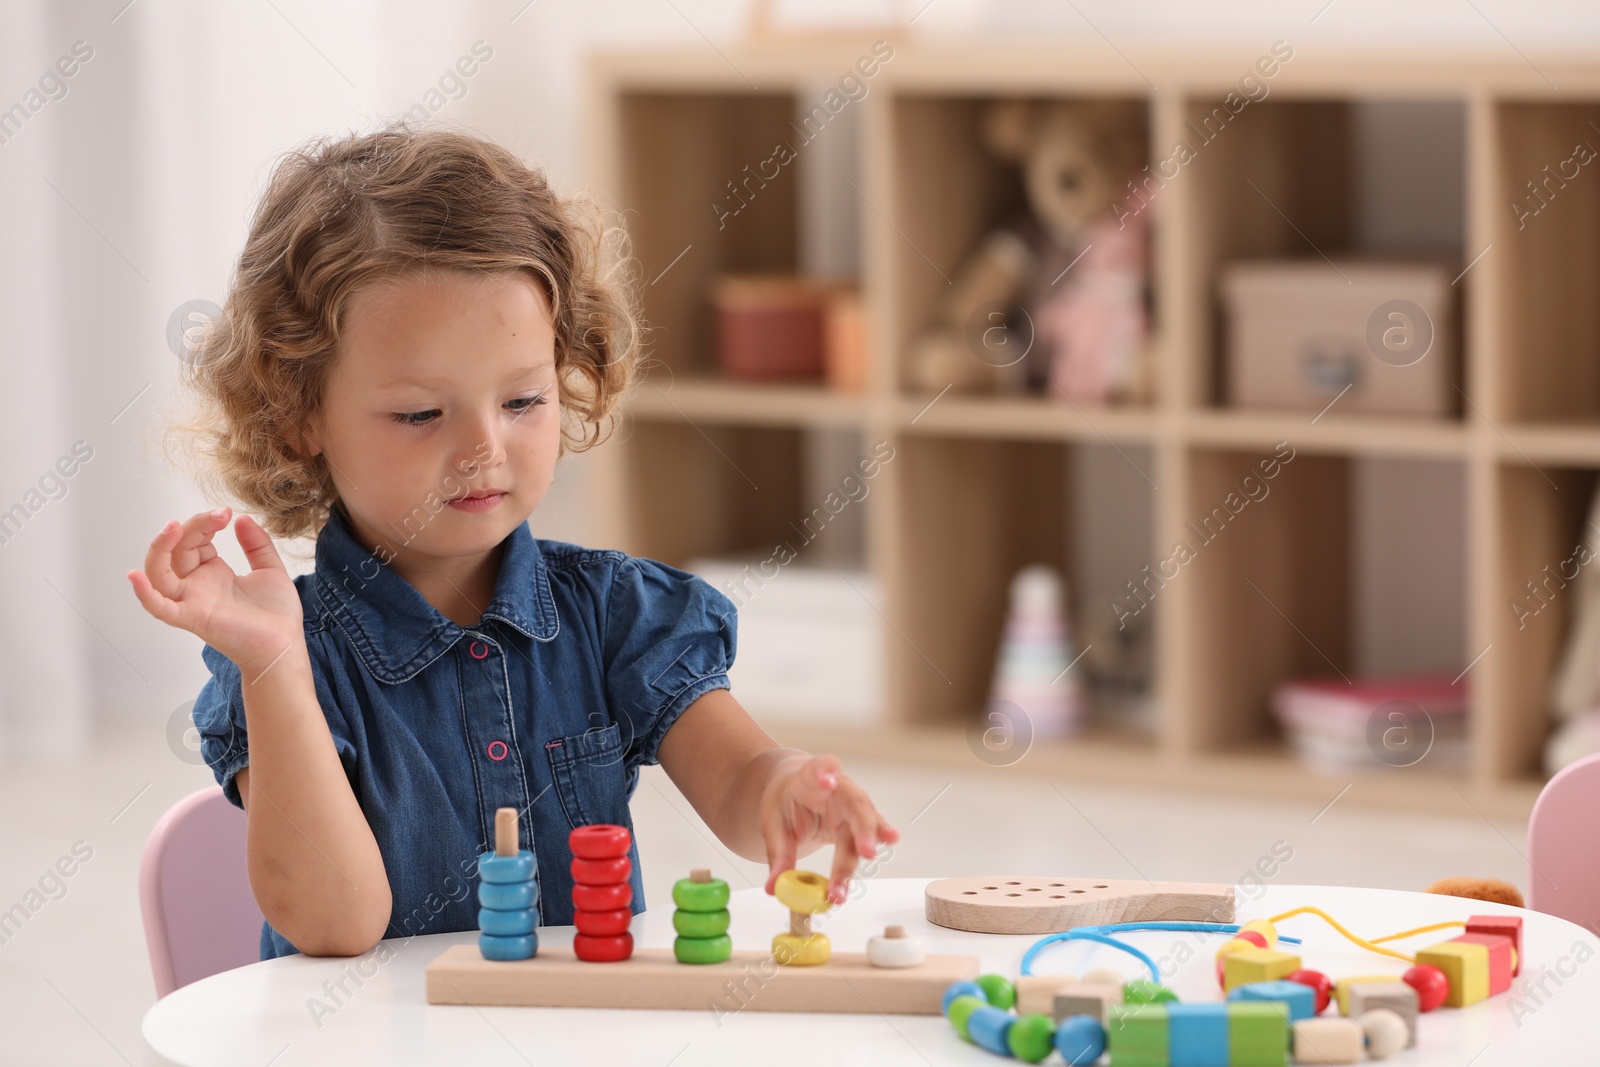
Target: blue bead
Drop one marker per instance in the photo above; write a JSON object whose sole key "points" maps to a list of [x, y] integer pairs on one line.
{"points": [[503, 869], [1081, 1040], [989, 1027], [506, 923], [1197, 1035], [1301, 999], [507, 897], [961, 989], [508, 948]]}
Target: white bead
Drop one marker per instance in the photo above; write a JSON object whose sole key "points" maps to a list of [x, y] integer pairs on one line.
{"points": [[1386, 1032], [895, 951], [1105, 976]]}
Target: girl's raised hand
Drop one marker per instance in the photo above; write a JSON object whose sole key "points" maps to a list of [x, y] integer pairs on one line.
{"points": [[249, 618], [814, 801]]}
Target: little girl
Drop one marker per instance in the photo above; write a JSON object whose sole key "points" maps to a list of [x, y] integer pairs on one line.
{"points": [[417, 330]]}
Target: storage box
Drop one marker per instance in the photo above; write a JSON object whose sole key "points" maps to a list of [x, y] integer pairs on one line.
{"points": [[1299, 333], [779, 327], [809, 640]]}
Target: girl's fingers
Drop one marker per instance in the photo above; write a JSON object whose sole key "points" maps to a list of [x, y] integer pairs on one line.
{"points": [[780, 845], [815, 782], [158, 561], [862, 821], [844, 865], [157, 605], [194, 547], [258, 547]]}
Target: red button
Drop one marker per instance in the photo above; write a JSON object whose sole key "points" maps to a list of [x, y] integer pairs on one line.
{"points": [[479, 650], [501, 745]]}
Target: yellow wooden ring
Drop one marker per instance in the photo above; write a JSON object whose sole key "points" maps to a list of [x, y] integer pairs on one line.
{"points": [[792, 951], [802, 891]]}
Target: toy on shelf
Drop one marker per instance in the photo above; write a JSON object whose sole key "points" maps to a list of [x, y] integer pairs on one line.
{"points": [[1035, 654], [701, 918], [1057, 298], [508, 895], [804, 893], [600, 864], [1025, 904]]}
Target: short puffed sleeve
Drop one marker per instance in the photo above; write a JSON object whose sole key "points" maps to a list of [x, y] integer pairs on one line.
{"points": [[669, 639], [219, 717]]}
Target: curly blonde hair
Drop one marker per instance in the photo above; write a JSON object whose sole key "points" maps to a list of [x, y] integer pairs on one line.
{"points": [[341, 215]]}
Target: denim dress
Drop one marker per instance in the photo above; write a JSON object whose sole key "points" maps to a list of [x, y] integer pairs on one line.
{"points": [[549, 704]]}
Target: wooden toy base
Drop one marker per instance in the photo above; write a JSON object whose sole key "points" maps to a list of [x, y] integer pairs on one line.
{"points": [[653, 978]]}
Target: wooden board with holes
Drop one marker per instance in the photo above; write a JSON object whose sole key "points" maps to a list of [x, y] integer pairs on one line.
{"points": [[653, 978], [1022, 904]]}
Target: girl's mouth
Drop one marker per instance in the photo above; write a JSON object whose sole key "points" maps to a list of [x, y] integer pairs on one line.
{"points": [[477, 503]]}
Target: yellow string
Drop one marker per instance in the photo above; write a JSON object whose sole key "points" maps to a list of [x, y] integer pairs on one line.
{"points": [[1331, 921], [1418, 930]]}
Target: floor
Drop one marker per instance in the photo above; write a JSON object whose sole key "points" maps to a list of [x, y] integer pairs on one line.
{"points": [[75, 980]]}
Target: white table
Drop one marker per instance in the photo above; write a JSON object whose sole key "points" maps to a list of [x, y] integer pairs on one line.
{"points": [[264, 1013]]}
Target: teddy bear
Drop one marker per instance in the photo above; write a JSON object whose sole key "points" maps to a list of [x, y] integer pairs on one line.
{"points": [[1055, 300], [1491, 889]]}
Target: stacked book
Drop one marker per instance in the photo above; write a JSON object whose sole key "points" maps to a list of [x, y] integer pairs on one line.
{"points": [[1335, 724]]}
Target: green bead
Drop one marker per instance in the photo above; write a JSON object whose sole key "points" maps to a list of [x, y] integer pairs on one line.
{"points": [[998, 988], [700, 923], [702, 949], [1144, 991], [700, 896], [1032, 1037], [961, 1009]]}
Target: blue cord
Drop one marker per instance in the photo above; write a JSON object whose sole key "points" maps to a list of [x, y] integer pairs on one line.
{"points": [[1100, 934]]}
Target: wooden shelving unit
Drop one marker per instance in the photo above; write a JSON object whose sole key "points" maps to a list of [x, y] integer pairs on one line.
{"points": [[980, 485]]}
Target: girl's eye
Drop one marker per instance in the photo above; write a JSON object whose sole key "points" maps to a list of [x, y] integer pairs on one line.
{"points": [[422, 418]]}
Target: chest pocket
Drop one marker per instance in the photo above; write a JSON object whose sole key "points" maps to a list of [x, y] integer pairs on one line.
{"points": [[590, 777]]}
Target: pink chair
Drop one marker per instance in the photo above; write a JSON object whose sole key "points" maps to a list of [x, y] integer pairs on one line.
{"points": [[200, 916], [1564, 845]]}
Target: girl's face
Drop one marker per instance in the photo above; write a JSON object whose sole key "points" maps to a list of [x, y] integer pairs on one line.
{"points": [[444, 386]]}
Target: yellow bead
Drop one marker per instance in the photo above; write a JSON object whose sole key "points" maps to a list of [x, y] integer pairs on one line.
{"points": [[1265, 929], [1254, 964], [1233, 946], [792, 951], [802, 891]]}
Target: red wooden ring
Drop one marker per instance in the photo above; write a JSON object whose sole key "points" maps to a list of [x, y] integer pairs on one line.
{"points": [[602, 923], [602, 897], [602, 841], [602, 872], [602, 949]]}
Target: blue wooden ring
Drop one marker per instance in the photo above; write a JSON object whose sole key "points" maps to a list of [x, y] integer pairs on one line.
{"points": [[502, 869], [508, 896], [512, 923], [523, 947]]}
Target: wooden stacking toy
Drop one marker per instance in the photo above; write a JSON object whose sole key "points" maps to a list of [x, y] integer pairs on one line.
{"points": [[804, 893], [508, 895], [701, 918], [894, 948], [601, 893]]}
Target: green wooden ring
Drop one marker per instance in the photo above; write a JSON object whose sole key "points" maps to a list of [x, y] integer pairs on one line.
{"points": [[700, 924], [700, 896], [702, 949]]}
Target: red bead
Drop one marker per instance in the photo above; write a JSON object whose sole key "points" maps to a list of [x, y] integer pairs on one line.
{"points": [[1222, 962], [599, 842], [1317, 981], [602, 897], [602, 949], [1255, 937], [602, 872], [1430, 983], [602, 923]]}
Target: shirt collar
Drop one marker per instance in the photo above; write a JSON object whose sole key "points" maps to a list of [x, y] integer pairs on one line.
{"points": [[397, 632]]}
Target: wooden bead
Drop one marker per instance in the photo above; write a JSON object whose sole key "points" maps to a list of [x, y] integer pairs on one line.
{"points": [[599, 842], [998, 990], [1301, 1000], [1386, 1032], [1036, 993], [507, 896], [602, 872], [1032, 1037], [1329, 1040], [792, 951], [959, 989], [1085, 998], [1319, 984], [602, 897], [1254, 937], [1256, 965], [503, 870], [701, 923], [802, 891], [523, 947], [1144, 991], [1431, 985], [602, 923], [1466, 964], [1504, 925], [989, 1028], [602, 949], [1104, 976], [902, 951], [960, 1010], [1388, 996], [512, 923], [1261, 926], [1080, 1040], [691, 895], [702, 949]]}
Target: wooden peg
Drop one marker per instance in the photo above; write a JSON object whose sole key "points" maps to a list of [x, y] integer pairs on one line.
{"points": [[505, 832], [700, 875]]}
